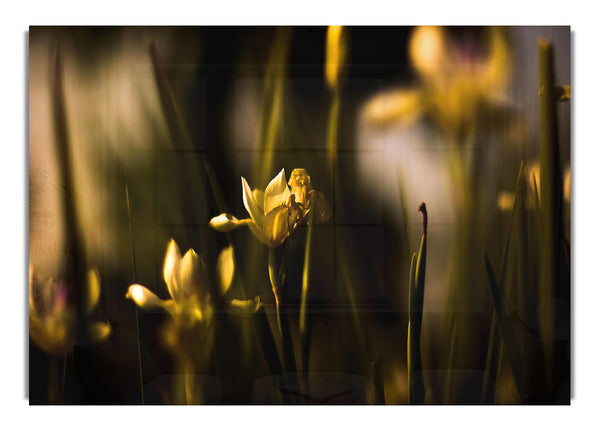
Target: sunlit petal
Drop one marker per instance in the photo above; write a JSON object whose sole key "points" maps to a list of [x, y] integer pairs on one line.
{"points": [[226, 222], [99, 331], [277, 192], [276, 226], [143, 297], [225, 268], [191, 275], [250, 203], [259, 197], [93, 286], [172, 259]]}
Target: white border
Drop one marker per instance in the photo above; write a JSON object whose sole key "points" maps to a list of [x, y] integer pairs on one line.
{"points": [[13, 159]]}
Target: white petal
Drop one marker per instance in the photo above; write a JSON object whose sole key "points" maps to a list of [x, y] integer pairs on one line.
{"points": [[276, 227], [277, 192], [191, 270], [143, 297], [225, 268], [259, 197], [226, 222], [172, 259], [250, 203]]}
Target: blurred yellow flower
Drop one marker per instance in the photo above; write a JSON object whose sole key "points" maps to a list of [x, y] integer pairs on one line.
{"points": [[461, 74], [52, 318], [187, 282], [277, 212], [463, 77], [187, 285]]}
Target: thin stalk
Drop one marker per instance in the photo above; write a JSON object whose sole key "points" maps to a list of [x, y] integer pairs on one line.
{"points": [[306, 327], [495, 348], [415, 317], [135, 279], [551, 195], [506, 330], [448, 381], [276, 277], [332, 128]]}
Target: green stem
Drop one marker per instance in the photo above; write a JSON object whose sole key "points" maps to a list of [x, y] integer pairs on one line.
{"points": [[551, 262], [276, 262], [137, 320], [306, 321], [415, 317]]}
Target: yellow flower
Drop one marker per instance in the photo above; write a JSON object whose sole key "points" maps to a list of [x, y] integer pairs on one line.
{"points": [[187, 285], [277, 212], [52, 319], [187, 282], [464, 77], [461, 73]]}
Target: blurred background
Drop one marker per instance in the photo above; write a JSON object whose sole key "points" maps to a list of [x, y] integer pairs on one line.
{"points": [[382, 118]]}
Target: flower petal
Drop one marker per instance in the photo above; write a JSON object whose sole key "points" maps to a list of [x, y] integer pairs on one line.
{"points": [[276, 226], [172, 260], [251, 205], [93, 287], [226, 222], [225, 268], [277, 192], [143, 297], [259, 197], [191, 275], [259, 234]]}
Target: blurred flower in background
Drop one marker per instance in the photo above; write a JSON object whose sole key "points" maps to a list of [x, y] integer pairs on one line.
{"points": [[52, 317]]}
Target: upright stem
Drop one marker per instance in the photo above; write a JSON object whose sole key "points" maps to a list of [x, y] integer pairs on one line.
{"points": [[416, 384], [551, 211], [137, 320], [275, 276]]}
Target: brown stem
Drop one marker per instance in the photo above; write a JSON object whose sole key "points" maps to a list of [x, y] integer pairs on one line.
{"points": [[423, 209]]}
